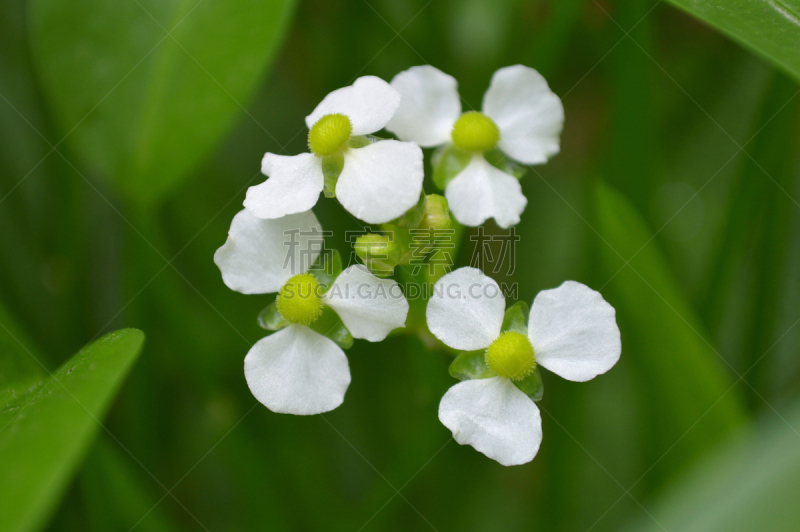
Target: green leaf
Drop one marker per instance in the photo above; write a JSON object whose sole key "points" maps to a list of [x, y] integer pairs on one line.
{"points": [[114, 490], [632, 144], [682, 377], [532, 385], [18, 367], [771, 28], [547, 44], [146, 89], [756, 242], [470, 365], [751, 483], [516, 318], [44, 434]]}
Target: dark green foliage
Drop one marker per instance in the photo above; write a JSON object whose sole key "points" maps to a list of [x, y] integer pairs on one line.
{"points": [[126, 150]]}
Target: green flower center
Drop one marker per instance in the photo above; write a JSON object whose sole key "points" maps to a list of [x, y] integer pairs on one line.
{"points": [[329, 134], [299, 301], [511, 356], [474, 131]]}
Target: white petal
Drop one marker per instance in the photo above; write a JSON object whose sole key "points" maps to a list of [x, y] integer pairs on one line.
{"points": [[293, 186], [429, 106], [370, 308], [481, 191], [526, 111], [297, 371], [260, 255], [370, 103], [574, 332], [381, 181], [466, 309], [495, 417]]}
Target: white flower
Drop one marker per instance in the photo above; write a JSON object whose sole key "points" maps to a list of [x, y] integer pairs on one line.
{"points": [[376, 183], [521, 117], [297, 370], [572, 331]]}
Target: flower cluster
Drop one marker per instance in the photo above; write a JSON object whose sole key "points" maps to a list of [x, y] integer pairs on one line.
{"points": [[300, 370], [275, 245], [521, 118], [570, 330]]}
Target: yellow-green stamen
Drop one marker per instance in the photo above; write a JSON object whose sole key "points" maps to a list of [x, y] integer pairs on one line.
{"points": [[329, 134], [511, 356], [299, 301], [474, 131]]}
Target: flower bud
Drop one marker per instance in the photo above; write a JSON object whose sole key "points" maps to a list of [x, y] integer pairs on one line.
{"points": [[379, 253], [414, 216], [437, 214]]}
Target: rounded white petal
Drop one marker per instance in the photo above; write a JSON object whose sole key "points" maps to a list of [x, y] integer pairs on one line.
{"points": [[494, 417], [381, 181], [481, 191], [260, 255], [574, 332], [297, 371], [530, 117], [370, 103], [293, 186], [369, 307], [466, 309], [429, 106]]}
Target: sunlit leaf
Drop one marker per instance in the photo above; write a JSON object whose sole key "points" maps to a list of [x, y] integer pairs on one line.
{"points": [[18, 367], [771, 28], [45, 433]]}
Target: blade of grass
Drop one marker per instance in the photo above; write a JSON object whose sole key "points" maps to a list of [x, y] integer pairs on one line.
{"points": [[687, 385]]}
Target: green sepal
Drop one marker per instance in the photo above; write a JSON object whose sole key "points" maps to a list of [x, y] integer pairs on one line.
{"points": [[327, 268], [270, 319], [414, 216], [532, 385], [447, 162], [501, 161], [469, 365], [330, 324], [359, 141], [332, 166], [516, 318]]}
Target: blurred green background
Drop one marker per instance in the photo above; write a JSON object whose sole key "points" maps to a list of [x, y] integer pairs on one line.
{"points": [[130, 132]]}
